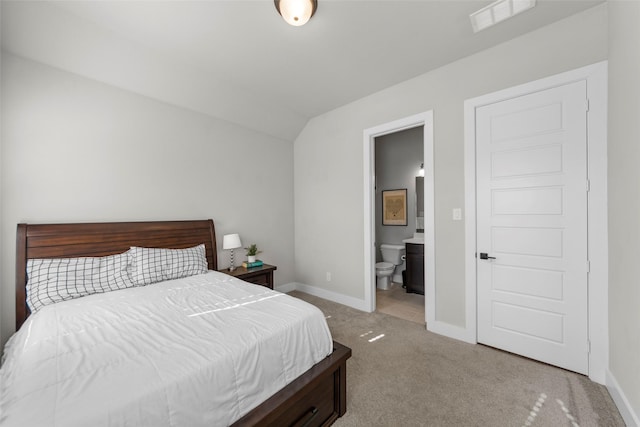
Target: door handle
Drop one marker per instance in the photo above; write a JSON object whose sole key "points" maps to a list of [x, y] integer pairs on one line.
{"points": [[484, 255]]}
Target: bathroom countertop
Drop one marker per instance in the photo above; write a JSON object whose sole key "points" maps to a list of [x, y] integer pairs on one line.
{"points": [[415, 240]]}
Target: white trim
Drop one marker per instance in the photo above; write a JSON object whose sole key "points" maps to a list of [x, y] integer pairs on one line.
{"points": [[596, 77], [631, 419], [470, 220], [598, 230], [423, 119], [356, 303], [450, 331], [287, 287]]}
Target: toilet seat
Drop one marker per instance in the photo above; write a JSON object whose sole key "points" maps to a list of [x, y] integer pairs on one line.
{"points": [[381, 266], [384, 271]]}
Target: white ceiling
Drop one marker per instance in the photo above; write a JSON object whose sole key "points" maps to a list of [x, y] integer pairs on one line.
{"points": [[239, 61]]}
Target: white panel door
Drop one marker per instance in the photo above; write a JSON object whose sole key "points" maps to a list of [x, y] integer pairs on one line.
{"points": [[531, 154]]}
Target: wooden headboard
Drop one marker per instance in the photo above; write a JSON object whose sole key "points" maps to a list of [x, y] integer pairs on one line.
{"points": [[101, 239]]}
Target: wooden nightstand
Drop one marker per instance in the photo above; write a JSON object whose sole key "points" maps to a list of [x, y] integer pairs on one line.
{"points": [[259, 275]]}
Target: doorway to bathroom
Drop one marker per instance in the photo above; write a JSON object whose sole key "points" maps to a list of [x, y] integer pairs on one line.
{"points": [[399, 214], [399, 170]]}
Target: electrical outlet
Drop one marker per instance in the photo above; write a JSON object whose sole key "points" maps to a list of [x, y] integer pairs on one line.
{"points": [[328, 276]]}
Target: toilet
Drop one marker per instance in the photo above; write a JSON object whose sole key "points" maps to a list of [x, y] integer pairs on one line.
{"points": [[392, 256]]}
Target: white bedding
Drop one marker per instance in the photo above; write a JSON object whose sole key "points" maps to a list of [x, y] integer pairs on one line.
{"points": [[198, 351]]}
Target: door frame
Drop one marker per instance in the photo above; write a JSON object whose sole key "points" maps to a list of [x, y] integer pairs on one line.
{"points": [[422, 119], [596, 77]]}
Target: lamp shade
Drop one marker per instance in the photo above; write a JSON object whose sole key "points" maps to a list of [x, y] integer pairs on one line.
{"points": [[296, 12], [231, 241]]}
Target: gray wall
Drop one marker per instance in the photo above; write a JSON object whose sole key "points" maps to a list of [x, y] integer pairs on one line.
{"points": [[77, 150], [329, 207], [624, 199], [398, 158]]}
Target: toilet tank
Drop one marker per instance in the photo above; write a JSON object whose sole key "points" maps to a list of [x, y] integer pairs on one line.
{"points": [[392, 253]]}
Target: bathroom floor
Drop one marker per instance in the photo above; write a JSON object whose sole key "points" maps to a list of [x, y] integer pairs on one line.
{"points": [[398, 303]]}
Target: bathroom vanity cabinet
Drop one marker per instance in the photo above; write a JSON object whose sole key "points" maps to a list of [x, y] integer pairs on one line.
{"points": [[415, 268]]}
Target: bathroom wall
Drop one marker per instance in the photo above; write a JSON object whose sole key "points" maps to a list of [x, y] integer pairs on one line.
{"points": [[398, 158]]}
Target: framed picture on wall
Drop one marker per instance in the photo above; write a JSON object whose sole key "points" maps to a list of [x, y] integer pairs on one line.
{"points": [[394, 207]]}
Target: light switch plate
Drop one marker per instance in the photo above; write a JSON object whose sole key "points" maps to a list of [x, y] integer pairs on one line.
{"points": [[457, 214]]}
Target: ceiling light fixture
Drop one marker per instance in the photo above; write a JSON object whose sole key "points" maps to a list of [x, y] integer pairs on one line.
{"points": [[498, 11], [296, 12]]}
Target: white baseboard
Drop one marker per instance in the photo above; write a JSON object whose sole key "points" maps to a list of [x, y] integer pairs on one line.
{"points": [[451, 331], [441, 328], [287, 287], [356, 303], [628, 414]]}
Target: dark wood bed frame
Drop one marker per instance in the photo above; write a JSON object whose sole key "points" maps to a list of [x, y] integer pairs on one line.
{"points": [[316, 398]]}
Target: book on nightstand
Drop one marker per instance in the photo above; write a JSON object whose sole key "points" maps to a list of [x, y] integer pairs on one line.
{"points": [[256, 263]]}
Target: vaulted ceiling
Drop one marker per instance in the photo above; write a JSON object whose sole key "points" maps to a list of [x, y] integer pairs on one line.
{"points": [[239, 61]]}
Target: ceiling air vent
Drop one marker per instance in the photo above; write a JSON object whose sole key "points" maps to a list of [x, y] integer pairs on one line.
{"points": [[498, 11]]}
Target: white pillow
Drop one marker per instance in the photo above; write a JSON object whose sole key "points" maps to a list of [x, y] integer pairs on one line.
{"points": [[151, 265], [52, 280]]}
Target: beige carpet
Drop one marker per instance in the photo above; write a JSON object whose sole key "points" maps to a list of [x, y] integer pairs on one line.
{"points": [[402, 375]]}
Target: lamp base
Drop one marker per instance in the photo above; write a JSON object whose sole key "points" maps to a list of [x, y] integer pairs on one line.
{"points": [[232, 267]]}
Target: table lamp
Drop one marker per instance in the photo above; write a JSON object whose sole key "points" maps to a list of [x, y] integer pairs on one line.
{"points": [[231, 242]]}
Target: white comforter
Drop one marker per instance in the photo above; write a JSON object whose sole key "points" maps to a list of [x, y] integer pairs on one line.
{"points": [[200, 351]]}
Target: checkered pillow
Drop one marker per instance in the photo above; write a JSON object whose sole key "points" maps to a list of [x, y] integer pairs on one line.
{"points": [[52, 280], [151, 265]]}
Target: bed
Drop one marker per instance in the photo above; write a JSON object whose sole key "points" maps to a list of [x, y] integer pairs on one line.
{"points": [[313, 397]]}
